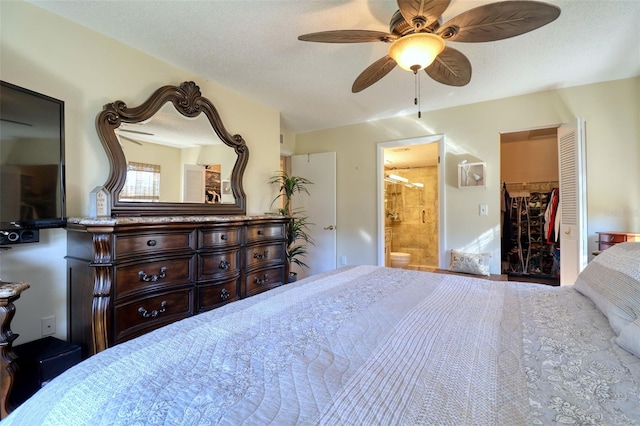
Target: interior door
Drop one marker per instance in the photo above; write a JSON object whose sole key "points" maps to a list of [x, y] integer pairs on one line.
{"points": [[320, 207], [573, 199], [194, 184]]}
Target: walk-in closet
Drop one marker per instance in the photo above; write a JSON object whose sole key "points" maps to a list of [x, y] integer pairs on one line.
{"points": [[531, 205]]}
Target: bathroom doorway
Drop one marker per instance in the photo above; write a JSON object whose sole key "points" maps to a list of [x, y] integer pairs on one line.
{"points": [[409, 193]]}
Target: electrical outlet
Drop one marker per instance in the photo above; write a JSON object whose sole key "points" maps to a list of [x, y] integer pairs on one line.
{"points": [[484, 210], [48, 326], [343, 260]]}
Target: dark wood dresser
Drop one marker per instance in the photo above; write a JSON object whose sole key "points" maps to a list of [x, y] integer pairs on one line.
{"points": [[608, 239], [131, 275]]}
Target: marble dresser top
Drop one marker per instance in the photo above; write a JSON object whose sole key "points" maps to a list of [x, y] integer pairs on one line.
{"points": [[122, 220], [8, 290]]}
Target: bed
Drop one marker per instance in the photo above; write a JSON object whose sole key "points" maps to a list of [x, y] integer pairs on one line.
{"points": [[369, 345]]}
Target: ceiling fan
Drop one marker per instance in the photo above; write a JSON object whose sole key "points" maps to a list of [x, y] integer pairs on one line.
{"points": [[418, 41]]}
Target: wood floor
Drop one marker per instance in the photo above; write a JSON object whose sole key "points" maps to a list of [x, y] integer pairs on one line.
{"points": [[496, 277], [535, 279]]}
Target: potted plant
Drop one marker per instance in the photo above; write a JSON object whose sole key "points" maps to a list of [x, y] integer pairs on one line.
{"points": [[297, 229]]}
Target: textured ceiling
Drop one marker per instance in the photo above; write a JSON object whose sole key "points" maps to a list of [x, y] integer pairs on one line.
{"points": [[251, 47]]}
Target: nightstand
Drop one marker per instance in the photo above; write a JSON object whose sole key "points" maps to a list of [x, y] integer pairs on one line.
{"points": [[608, 239], [9, 292]]}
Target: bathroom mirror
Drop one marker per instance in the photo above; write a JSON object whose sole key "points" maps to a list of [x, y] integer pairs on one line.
{"points": [[172, 156]]}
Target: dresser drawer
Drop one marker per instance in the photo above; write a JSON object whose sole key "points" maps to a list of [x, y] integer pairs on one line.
{"points": [[219, 237], [218, 264], [138, 244], [216, 294], [265, 232], [264, 253], [148, 276], [263, 279], [146, 314], [612, 238]]}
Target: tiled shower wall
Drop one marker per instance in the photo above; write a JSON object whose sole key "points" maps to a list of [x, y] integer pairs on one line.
{"points": [[404, 208]]}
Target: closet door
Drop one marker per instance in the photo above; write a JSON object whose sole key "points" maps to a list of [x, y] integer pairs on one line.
{"points": [[573, 200]]}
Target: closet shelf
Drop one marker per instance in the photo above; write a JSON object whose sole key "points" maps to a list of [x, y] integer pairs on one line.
{"points": [[529, 251]]}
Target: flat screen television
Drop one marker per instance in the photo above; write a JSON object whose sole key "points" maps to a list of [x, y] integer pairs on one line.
{"points": [[32, 174]]}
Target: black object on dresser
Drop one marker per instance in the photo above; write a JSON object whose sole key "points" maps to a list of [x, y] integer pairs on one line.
{"points": [[39, 362]]}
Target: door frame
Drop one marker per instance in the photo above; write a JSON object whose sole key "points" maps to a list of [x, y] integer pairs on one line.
{"points": [[581, 195], [381, 146]]}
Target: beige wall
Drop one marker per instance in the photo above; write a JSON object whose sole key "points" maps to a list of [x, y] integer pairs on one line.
{"points": [[288, 142], [529, 161], [51, 55], [611, 111]]}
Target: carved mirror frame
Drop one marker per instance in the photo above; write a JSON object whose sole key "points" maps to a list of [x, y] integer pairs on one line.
{"points": [[189, 102]]}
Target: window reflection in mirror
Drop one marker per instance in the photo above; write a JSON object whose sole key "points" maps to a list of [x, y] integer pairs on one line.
{"points": [[142, 184]]}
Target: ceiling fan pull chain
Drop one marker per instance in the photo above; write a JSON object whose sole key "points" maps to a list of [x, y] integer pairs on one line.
{"points": [[415, 88], [416, 99]]}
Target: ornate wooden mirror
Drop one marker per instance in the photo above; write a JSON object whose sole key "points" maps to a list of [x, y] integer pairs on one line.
{"points": [[172, 156]]}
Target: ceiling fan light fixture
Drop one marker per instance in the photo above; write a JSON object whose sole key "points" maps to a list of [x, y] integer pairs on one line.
{"points": [[415, 52]]}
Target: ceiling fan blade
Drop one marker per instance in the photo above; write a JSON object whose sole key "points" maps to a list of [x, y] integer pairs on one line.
{"points": [[451, 67], [421, 13], [124, 138], [497, 21], [348, 36], [373, 73], [139, 132]]}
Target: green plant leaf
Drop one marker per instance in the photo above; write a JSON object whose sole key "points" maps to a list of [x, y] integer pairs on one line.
{"points": [[298, 227]]}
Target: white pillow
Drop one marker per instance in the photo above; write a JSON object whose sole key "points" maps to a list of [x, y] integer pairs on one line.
{"points": [[470, 263], [612, 282], [629, 337]]}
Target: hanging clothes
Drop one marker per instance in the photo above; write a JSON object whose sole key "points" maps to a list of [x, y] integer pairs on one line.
{"points": [[507, 224], [557, 221], [551, 217]]}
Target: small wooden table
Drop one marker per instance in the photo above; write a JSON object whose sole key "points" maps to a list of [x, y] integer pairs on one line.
{"points": [[609, 239], [9, 292]]}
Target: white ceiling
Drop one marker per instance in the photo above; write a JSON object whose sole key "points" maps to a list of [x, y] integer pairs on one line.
{"points": [[251, 47]]}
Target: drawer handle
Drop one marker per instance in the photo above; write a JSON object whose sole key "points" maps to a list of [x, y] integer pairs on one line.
{"points": [[223, 237], [261, 281], [154, 313], [264, 255], [224, 294], [153, 278], [152, 243], [224, 264], [260, 232]]}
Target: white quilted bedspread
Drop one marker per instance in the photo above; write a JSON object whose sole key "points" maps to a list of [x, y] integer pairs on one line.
{"points": [[361, 346]]}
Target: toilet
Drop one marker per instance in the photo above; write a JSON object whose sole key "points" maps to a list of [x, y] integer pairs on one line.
{"points": [[399, 260]]}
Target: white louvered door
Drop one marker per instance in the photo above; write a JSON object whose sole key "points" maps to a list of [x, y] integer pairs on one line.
{"points": [[573, 223], [193, 184]]}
